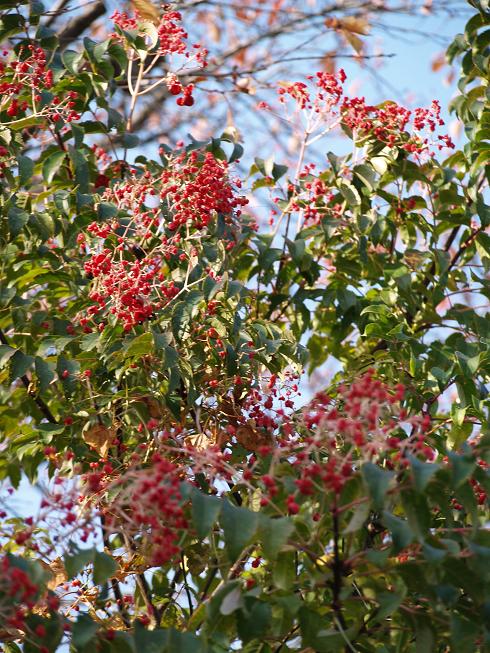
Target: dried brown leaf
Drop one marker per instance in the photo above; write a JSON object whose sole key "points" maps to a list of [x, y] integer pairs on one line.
{"points": [[251, 438], [199, 441], [99, 437]]}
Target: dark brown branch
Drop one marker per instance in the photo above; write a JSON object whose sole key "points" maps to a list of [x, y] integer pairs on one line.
{"points": [[186, 584], [78, 25]]}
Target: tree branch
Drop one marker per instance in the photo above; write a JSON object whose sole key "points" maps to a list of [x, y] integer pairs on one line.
{"points": [[78, 25]]}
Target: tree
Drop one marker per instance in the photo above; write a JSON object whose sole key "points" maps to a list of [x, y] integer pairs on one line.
{"points": [[156, 334]]}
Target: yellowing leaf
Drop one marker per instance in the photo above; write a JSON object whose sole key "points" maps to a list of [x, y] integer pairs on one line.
{"points": [[354, 24], [146, 10], [353, 40]]}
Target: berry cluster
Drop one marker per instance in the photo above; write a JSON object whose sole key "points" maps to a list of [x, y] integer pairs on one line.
{"points": [[390, 124], [321, 99], [19, 598], [150, 503], [364, 423], [128, 259], [196, 189], [24, 78], [172, 42]]}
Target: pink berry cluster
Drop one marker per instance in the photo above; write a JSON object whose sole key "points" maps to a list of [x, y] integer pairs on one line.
{"points": [[320, 94], [23, 78], [394, 125], [128, 264], [150, 503], [172, 42], [363, 423], [322, 100]]}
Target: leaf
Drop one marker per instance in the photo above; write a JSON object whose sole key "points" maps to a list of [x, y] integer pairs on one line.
{"points": [[356, 24], [273, 534], [205, 511], [140, 346], [284, 571], [422, 473], [83, 631], [43, 224], [52, 164], [231, 602], [80, 167], [253, 620], [388, 603], [350, 193], [78, 561], [58, 573], [150, 641], [6, 354], [19, 364], [462, 468], [377, 481], [99, 437], [239, 526], [45, 373], [72, 60], [17, 219], [26, 169], [358, 519], [22, 123], [401, 533], [366, 174], [104, 567]]}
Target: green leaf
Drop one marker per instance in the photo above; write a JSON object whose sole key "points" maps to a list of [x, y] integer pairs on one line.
{"points": [[366, 174], [6, 354], [17, 219], [43, 224], [80, 167], [422, 473], [72, 60], [19, 364], [253, 620], [75, 563], [45, 373], [140, 346], [388, 603], [315, 632], [52, 164], [464, 634], [284, 571], [239, 526], [83, 631], [462, 468], [350, 194], [26, 169], [150, 641], [232, 601], [273, 534], [205, 511], [358, 519], [104, 567], [400, 531], [377, 481]]}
